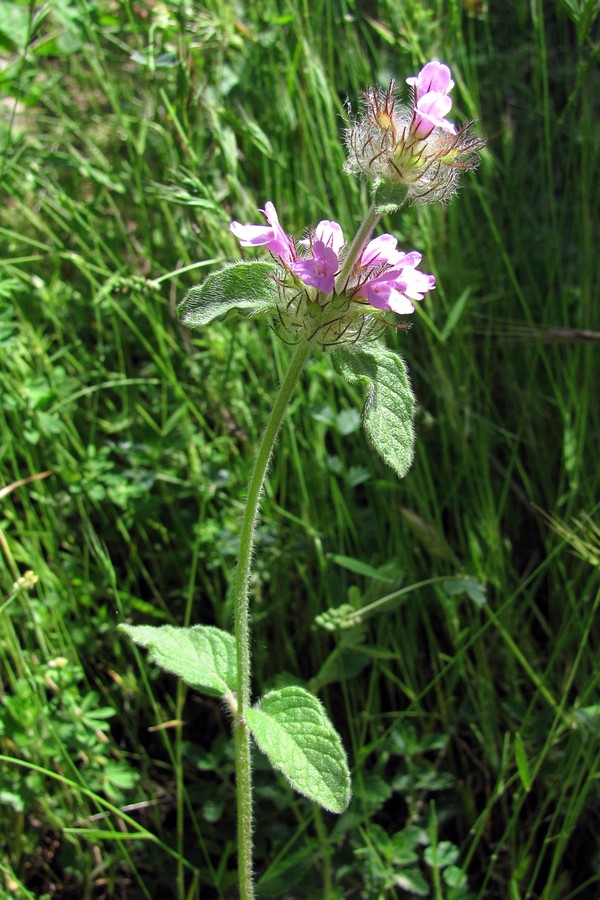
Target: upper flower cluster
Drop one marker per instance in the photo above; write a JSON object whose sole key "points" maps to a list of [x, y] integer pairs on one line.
{"points": [[414, 148], [381, 276]]}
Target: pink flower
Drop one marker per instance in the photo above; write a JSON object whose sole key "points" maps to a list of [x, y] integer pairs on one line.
{"points": [[431, 86], [429, 113], [273, 238], [320, 271], [411, 151], [394, 287], [381, 292], [325, 244], [434, 77]]}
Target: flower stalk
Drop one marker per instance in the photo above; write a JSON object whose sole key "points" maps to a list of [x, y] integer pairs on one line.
{"points": [[355, 250], [242, 618]]}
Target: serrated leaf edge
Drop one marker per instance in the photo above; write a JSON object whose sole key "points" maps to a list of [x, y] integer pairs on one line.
{"points": [[218, 688], [319, 709]]}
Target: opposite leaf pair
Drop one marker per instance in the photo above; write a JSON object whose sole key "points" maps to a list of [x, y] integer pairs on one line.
{"points": [[289, 725]]}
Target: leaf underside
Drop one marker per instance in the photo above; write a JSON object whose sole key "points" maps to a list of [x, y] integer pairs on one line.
{"points": [[389, 401]]}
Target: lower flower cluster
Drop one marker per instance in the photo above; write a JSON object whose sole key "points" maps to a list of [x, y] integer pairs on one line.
{"points": [[323, 298]]}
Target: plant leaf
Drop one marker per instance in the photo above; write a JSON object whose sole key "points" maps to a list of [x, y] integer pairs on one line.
{"points": [[344, 662], [466, 584], [389, 401], [389, 197], [291, 727], [442, 854], [242, 287], [202, 656]]}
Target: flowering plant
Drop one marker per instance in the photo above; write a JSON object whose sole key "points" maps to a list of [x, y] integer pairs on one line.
{"points": [[324, 293]]}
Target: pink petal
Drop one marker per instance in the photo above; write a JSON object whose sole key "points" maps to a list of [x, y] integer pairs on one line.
{"points": [[415, 284], [430, 111], [271, 215], [251, 235], [378, 290], [400, 304], [331, 234], [281, 245], [320, 271], [273, 238], [408, 260], [380, 250], [435, 76]]}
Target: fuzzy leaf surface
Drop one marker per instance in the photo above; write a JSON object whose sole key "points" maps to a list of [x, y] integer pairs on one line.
{"points": [[389, 401], [202, 656], [242, 287], [291, 727]]}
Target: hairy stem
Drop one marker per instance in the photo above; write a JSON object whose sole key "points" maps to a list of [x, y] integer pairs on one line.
{"points": [[242, 619], [357, 246]]}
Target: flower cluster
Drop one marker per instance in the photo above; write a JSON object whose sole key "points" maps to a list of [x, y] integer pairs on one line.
{"points": [[413, 147], [336, 298]]}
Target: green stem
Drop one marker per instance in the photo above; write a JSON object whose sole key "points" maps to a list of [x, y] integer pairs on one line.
{"points": [[357, 246], [242, 619]]}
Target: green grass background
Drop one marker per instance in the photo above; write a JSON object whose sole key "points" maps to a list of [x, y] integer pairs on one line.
{"points": [[447, 621]]}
